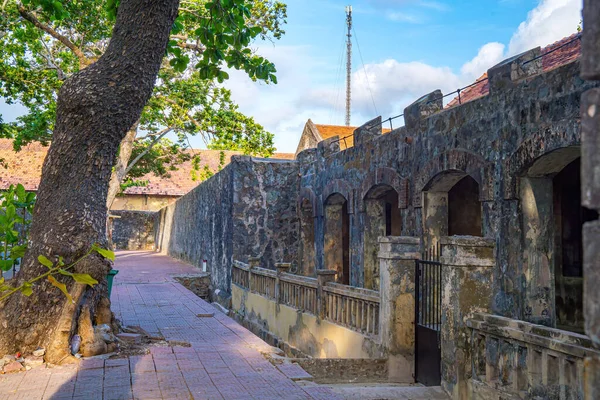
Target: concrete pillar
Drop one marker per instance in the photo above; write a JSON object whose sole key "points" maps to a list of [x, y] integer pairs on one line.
{"points": [[253, 262], [397, 313], [281, 268], [467, 272], [590, 190], [323, 276]]}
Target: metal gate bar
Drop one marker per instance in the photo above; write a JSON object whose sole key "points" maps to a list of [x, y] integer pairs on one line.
{"points": [[428, 319]]}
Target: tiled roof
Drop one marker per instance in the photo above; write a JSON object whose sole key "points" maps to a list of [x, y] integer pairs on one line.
{"points": [[565, 55], [328, 131], [345, 133], [25, 167]]}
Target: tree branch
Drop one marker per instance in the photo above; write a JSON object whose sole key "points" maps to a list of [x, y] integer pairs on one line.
{"points": [[147, 149], [63, 39]]}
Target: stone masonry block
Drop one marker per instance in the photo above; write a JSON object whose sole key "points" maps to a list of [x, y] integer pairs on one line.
{"points": [[329, 146], [590, 149], [505, 74], [590, 61], [423, 108], [369, 131]]}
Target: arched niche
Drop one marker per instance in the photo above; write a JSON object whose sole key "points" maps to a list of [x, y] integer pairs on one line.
{"points": [[336, 249], [451, 206], [382, 217], [307, 238], [551, 222]]}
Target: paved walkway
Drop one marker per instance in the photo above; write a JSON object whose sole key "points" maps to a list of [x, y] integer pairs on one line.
{"points": [[223, 362]]}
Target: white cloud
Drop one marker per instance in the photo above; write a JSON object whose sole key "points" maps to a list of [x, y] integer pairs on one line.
{"points": [[488, 56], [550, 21], [402, 17], [305, 89]]}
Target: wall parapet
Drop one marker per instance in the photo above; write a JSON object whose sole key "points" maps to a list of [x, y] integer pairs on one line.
{"points": [[525, 359]]}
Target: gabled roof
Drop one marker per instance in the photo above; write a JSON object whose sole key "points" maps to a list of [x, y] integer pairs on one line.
{"points": [[25, 167], [315, 133], [565, 55]]}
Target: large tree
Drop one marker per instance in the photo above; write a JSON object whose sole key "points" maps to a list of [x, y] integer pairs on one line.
{"points": [[95, 109], [43, 43]]}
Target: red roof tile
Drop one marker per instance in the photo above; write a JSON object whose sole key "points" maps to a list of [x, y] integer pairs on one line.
{"points": [[25, 167], [562, 56]]}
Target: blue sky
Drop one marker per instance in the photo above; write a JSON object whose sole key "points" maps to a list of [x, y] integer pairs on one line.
{"points": [[409, 48]]}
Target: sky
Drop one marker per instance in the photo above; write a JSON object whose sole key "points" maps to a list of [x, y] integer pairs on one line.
{"points": [[402, 49]]}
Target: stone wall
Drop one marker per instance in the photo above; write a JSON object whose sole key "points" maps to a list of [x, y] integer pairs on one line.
{"points": [[498, 141], [246, 210], [133, 230], [591, 189]]}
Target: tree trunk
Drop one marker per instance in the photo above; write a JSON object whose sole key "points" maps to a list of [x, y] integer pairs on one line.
{"points": [[95, 109], [125, 150]]}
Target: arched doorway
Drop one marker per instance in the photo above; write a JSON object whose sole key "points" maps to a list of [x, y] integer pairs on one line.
{"points": [[552, 222], [382, 218], [451, 206], [569, 217], [337, 237], [307, 238]]}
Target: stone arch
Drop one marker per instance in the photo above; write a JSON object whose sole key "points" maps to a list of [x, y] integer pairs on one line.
{"points": [[530, 152], [456, 162], [343, 188], [548, 187], [336, 243], [384, 176]]}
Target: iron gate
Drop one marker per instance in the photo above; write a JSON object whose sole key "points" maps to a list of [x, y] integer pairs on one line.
{"points": [[428, 318]]}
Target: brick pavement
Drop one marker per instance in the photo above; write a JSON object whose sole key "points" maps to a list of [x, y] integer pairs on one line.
{"points": [[223, 362]]}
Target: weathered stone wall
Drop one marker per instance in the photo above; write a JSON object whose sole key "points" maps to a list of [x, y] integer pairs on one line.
{"points": [[590, 190], [265, 224], [199, 227], [133, 230], [495, 140], [246, 210]]}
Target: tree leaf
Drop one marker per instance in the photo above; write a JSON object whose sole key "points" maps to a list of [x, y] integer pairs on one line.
{"points": [[18, 251], [86, 279], [61, 286], [6, 265], [44, 261], [105, 253], [26, 289], [65, 273]]}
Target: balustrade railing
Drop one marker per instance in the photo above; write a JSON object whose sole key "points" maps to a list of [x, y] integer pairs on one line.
{"points": [[348, 306], [262, 281], [240, 274], [299, 292], [352, 307], [527, 360]]}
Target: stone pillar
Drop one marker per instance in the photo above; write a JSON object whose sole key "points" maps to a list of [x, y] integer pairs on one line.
{"points": [[281, 268], [323, 276], [397, 313], [467, 272], [253, 262], [423, 108], [590, 190]]}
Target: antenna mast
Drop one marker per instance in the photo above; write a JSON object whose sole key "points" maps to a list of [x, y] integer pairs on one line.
{"points": [[348, 64]]}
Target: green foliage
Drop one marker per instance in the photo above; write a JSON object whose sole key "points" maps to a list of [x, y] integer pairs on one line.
{"points": [[54, 270], [16, 206], [208, 38]]}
